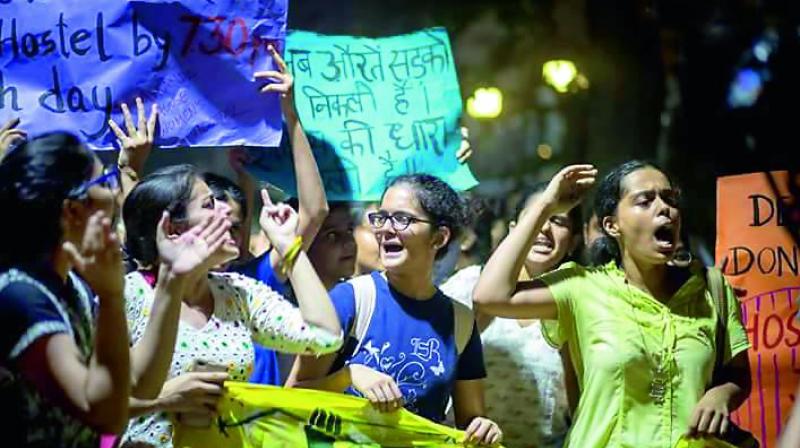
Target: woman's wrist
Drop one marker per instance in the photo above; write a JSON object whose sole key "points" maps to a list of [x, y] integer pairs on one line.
{"points": [[284, 245], [290, 254], [167, 277]]}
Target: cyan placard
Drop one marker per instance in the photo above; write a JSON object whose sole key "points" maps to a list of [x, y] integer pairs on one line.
{"points": [[374, 108]]}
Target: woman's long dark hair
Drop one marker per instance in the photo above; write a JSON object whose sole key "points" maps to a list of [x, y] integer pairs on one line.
{"points": [[36, 177], [606, 200], [169, 189]]}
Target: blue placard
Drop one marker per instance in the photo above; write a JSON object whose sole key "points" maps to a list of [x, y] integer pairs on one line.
{"points": [[69, 64]]}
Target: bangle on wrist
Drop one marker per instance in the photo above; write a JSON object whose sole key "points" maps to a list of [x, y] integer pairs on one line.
{"points": [[128, 171], [291, 254]]}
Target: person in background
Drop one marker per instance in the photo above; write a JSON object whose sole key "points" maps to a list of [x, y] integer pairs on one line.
{"points": [[65, 371], [219, 314], [408, 355], [333, 252], [525, 383], [790, 438], [642, 334], [367, 250]]}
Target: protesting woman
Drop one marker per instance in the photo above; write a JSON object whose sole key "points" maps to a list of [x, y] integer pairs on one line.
{"points": [[219, 315], [417, 348], [642, 334]]}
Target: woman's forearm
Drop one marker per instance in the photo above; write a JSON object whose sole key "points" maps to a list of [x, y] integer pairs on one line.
{"points": [[108, 379], [152, 355], [312, 297], [140, 406], [312, 202], [335, 382], [499, 278]]}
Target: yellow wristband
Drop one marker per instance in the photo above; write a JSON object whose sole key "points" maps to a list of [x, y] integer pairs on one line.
{"points": [[291, 254]]}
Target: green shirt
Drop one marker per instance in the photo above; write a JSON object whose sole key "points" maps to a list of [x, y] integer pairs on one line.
{"points": [[617, 336]]}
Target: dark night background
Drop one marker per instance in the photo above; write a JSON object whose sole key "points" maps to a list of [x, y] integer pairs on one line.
{"points": [[660, 73]]}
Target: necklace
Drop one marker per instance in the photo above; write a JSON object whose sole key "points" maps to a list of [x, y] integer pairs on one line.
{"points": [[658, 368]]}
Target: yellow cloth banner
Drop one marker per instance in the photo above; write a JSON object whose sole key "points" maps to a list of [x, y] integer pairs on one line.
{"points": [[709, 442], [256, 416]]}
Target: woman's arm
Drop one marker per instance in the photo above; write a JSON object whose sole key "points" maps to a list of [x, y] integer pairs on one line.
{"points": [[195, 392], [310, 372], [732, 386], [379, 388], [135, 146], [152, 354], [279, 222], [97, 392], [470, 412], [312, 202], [498, 291], [791, 433]]}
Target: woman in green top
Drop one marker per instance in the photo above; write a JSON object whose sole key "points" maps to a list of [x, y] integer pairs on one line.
{"points": [[642, 334]]}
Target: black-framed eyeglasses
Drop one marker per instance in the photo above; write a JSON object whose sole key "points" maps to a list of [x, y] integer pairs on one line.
{"points": [[110, 179], [400, 221]]}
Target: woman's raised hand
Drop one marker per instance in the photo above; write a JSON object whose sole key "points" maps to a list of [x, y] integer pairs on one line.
{"points": [[568, 187], [194, 248]]}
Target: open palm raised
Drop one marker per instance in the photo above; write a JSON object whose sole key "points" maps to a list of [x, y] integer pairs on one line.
{"points": [[569, 186], [98, 257], [194, 248]]}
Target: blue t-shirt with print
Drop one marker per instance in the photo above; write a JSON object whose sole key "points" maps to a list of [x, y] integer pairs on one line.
{"points": [[412, 341]]}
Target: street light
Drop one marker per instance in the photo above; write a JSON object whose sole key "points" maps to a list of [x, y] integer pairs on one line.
{"points": [[486, 102], [560, 73]]}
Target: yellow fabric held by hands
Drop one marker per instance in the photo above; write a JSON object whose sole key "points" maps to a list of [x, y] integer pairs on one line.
{"points": [[266, 416], [685, 442]]}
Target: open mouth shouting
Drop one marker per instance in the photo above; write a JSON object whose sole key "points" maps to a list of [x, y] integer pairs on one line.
{"points": [[543, 245], [391, 249], [666, 237]]}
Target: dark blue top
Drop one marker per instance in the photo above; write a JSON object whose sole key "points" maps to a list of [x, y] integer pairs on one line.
{"points": [[36, 303], [412, 341]]}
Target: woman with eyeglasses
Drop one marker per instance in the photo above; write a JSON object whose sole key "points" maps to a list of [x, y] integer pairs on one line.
{"points": [[655, 360], [404, 350], [64, 369], [217, 315]]}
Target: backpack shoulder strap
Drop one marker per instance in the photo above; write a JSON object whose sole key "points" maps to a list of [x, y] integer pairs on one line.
{"points": [[716, 285], [364, 293], [463, 323]]}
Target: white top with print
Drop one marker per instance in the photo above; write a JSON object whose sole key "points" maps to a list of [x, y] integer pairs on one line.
{"points": [[244, 310], [525, 392], [524, 388]]}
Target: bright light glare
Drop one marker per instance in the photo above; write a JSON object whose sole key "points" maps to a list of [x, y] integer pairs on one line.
{"points": [[559, 73], [486, 102]]}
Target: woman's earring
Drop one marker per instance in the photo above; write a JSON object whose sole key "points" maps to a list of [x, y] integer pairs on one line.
{"points": [[682, 258]]}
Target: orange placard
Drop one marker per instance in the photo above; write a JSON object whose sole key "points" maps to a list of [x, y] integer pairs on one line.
{"points": [[758, 255]]}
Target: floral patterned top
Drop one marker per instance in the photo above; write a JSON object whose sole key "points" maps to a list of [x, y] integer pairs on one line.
{"points": [[245, 310], [34, 303]]}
